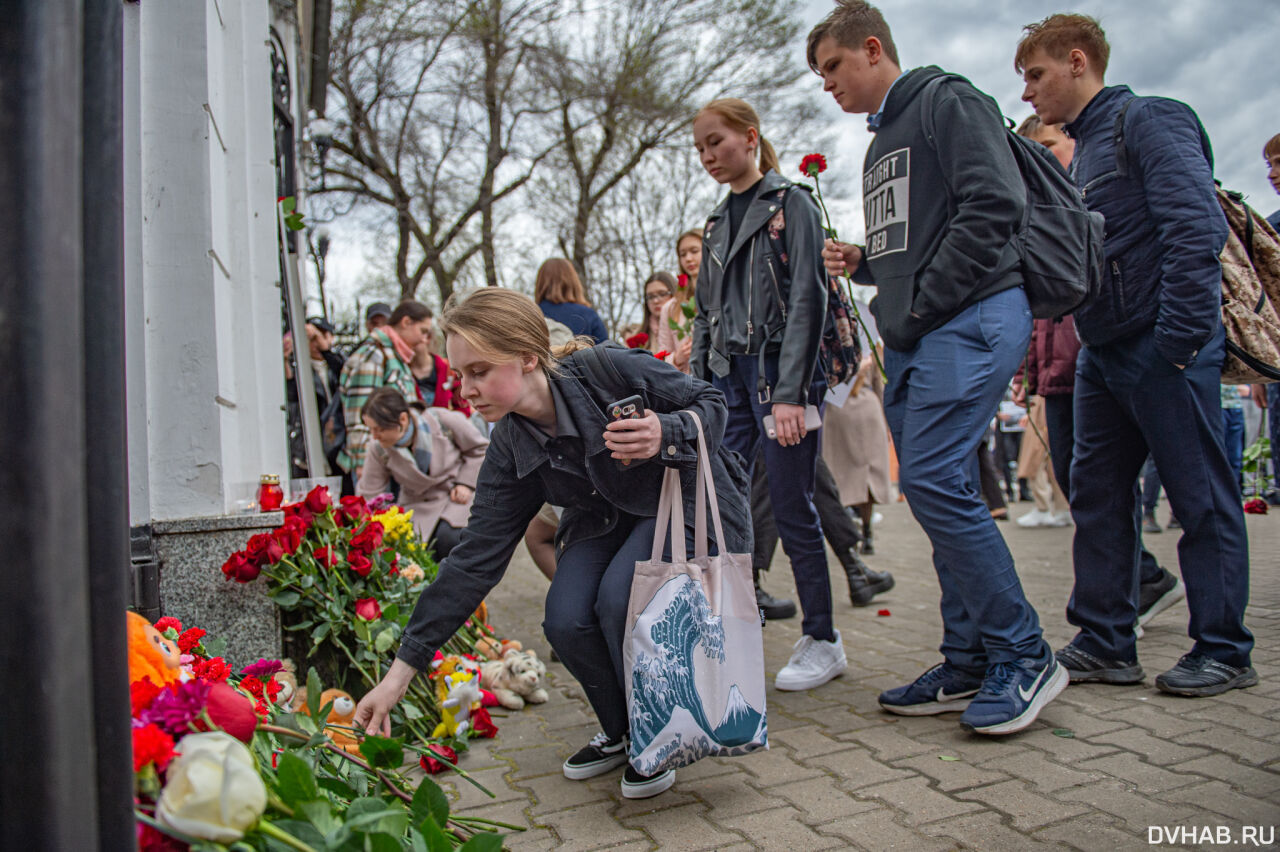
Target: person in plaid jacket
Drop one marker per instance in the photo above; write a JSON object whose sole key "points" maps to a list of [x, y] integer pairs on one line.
{"points": [[381, 360]]}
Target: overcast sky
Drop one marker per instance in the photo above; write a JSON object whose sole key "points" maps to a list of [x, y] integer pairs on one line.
{"points": [[1218, 56]]}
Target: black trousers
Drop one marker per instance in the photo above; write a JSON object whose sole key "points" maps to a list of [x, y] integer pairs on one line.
{"points": [[837, 526]]}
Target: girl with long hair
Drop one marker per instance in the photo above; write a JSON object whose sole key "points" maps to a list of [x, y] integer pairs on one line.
{"points": [[758, 326], [560, 296], [680, 345], [552, 443], [658, 290]]}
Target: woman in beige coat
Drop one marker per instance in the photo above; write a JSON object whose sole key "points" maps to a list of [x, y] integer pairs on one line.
{"points": [[434, 455]]}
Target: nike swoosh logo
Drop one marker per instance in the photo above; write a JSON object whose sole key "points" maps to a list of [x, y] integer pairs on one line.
{"points": [[1027, 693], [944, 696]]}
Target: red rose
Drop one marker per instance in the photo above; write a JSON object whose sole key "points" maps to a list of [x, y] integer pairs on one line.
{"points": [[151, 745], [318, 500], [661, 354], [231, 712], [213, 670], [369, 539], [482, 723], [300, 512], [682, 281], [434, 766], [354, 509], [189, 639], [1256, 506], [168, 622], [151, 840], [368, 609], [141, 694], [325, 556], [638, 340], [263, 549], [813, 165], [241, 568], [289, 537], [359, 563]]}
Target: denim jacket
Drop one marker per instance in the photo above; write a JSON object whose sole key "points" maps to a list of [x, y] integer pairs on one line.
{"points": [[519, 475]]}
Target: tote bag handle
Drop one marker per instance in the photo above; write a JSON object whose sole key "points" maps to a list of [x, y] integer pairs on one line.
{"points": [[671, 507]]}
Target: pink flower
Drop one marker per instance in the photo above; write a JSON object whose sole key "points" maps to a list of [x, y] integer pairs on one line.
{"points": [[368, 609], [264, 668]]}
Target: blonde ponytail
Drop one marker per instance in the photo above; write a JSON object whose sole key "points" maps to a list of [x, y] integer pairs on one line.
{"points": [[768, 157], [739, 116]]}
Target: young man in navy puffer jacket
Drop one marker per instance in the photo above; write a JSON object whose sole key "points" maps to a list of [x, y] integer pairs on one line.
{"points": [[1148, 375]]}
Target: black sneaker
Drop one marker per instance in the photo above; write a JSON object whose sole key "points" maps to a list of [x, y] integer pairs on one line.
{"points": [[1150, 524], [1196, 675], [1083, 667], [637, 786], [596, 758], [1154, 598]]}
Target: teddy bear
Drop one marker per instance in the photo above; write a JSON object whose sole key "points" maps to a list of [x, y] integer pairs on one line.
{"points": [[515, 679], [287, 677], [342, 714], [493, 649]]}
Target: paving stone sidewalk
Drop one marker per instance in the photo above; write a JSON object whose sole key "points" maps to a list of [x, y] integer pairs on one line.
{"points": [[1104, 768]]}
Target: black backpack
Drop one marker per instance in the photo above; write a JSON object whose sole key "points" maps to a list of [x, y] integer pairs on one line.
{"points": [[839, 351], [1059, 241]]}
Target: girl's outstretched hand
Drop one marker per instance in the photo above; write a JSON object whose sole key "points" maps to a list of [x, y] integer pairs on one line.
{"points": [[838, 257], [635, 439], [372, 713]]}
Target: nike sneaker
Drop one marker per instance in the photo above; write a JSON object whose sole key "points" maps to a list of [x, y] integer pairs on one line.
{"points": [[942, 689], [1013, 694]]}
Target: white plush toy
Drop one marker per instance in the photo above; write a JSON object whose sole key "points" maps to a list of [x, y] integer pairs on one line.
{"points": [[515, 679]]}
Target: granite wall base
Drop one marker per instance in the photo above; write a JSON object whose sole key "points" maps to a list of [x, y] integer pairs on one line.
{"points": [[192, 589]]}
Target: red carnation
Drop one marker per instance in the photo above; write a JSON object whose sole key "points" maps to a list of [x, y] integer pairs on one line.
{"points": [[231, 711], [482, 723], [325, 556], [813, 165], [141, 694], [213, 670], [289, 536], [318, 500], [354, 509], [151, 745], [638, 340], [359, 563], [240, 568], [1256, 506], [189, 639], [435, 767], [368, 609], [169, 622]]}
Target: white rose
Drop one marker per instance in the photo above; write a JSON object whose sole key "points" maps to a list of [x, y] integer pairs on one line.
{"points": [[212, 790]]}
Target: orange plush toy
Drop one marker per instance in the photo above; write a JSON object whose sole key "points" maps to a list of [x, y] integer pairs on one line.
{"points": [[342, 713], [150, 654]]}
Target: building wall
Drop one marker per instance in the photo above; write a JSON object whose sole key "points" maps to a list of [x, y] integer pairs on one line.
{"points": [[204, 361]]}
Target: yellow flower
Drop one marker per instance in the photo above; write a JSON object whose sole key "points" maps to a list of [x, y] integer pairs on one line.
{"points": [[396, 523]]}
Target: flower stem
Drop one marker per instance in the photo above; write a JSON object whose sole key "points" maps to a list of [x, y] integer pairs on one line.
{"points": [[277, 833]]}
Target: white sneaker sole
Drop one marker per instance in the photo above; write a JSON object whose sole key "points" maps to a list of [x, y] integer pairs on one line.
{"points": [[1051, 690], [583, 771], [1168, 599], [798, 684], [655, 785]]}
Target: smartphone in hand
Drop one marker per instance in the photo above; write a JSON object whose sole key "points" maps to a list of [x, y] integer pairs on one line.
{"points": [[630, 408]]}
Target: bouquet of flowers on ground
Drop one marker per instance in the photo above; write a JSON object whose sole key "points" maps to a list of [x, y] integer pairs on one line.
{"points": [[218, 761], [347, 578]]}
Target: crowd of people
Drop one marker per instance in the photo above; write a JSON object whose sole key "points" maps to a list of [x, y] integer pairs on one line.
{"points": [[508, 440]]}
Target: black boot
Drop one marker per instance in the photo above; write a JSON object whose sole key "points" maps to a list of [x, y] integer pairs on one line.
{"points": [[864, 584], [868, 548], [772, 607]]}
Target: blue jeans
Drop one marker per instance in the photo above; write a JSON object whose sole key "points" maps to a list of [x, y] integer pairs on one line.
{"points": [[1130, 402], [1233, 437], [586, 614], [940, 397], [791, 472]]}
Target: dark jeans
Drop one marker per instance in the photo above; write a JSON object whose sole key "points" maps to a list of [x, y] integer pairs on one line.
{"points": [[939, 398], [1130, 402], [444, 539], [837, 525], [791, 483], [586, 614], [1233, 437], [1059, 417]]}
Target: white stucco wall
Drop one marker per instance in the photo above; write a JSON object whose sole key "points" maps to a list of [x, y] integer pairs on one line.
{"points": [[201, 268]]}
